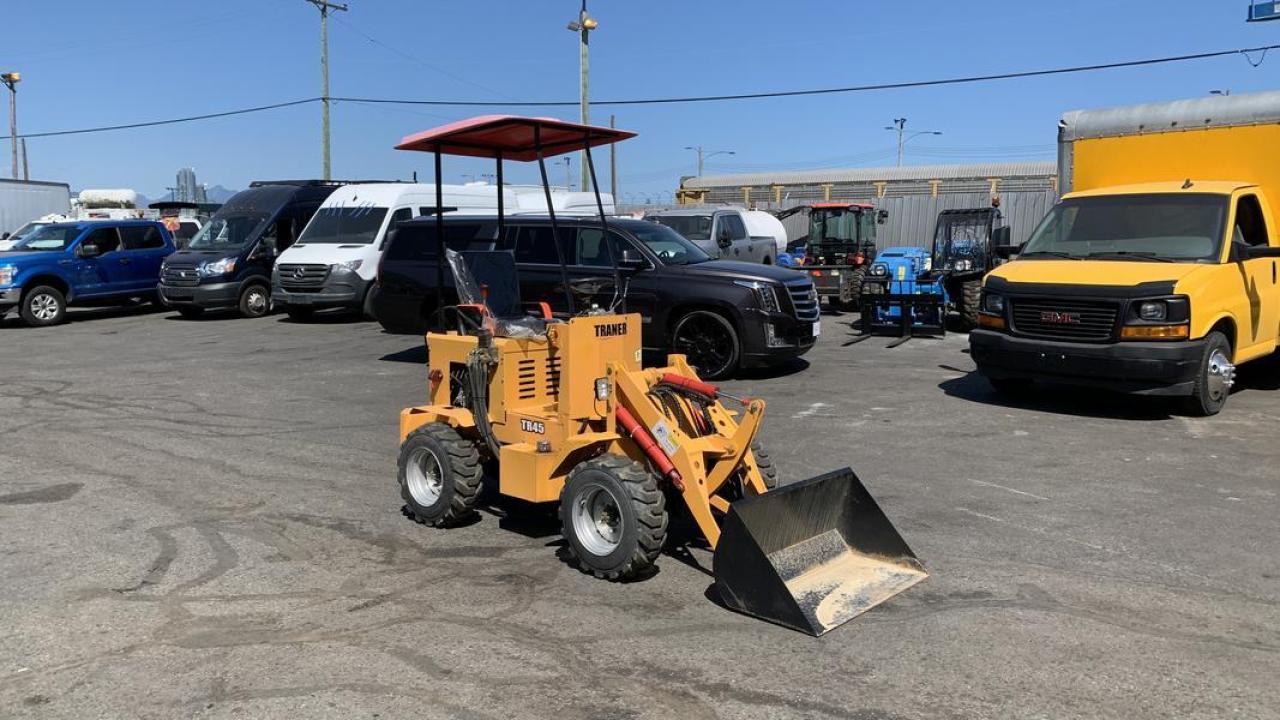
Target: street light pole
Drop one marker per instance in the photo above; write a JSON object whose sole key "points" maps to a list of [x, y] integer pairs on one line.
{"points": [[900, 125], [325, 6], [583, 26], [11, 80], [703, 154]]}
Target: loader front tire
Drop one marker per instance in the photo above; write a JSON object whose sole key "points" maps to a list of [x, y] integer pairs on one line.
{"points": [[614, 517], [440, 475], [768, 471]]}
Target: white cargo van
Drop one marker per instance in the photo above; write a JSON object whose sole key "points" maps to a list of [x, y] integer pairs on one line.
{"points": [[335, 261]]}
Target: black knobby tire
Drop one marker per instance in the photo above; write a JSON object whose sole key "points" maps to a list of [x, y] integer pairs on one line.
{"points": [[970, 295], [855, 287], [300, 314], [460, 475], [709, 341], [190, 312], [255, 300], [768, 471], [1206, 399], [630, 491], [43, 306]]}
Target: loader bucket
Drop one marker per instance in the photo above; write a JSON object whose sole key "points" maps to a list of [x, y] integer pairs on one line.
{"points": [[811, 555]]}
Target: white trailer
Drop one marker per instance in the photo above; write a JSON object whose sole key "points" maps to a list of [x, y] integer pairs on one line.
{"points": [[22, 201]]}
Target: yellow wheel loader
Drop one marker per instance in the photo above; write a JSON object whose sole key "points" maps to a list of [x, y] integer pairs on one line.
{"points": [[565, 408]]}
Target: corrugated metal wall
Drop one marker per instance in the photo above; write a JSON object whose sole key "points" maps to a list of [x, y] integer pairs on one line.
{"points": [[913, 204]]}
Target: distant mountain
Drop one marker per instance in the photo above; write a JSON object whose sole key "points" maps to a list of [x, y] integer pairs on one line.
{"points": [[215, 193]]}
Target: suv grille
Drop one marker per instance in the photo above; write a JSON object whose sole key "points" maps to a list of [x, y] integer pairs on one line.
{"points": [[303, 276], [180, 276], [804, 299], [1079, 320]]}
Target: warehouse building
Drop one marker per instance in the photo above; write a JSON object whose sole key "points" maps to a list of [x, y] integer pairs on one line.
{"points": [[912, 195]]}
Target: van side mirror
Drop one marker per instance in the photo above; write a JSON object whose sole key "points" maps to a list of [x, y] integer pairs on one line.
{"points": [[89, 250], [1004, 252], [1001, 237], [724, 237], [4, 236], [1252, 252]]}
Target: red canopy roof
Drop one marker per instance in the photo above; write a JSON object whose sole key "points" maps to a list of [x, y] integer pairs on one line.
{"points": [[511, 135]]}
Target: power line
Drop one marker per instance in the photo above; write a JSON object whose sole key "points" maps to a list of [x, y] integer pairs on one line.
{"points": [[172, 121], [691, 99], [855, 88]]}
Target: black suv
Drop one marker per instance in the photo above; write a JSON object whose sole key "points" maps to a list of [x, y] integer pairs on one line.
{"points": [[722, 314]]}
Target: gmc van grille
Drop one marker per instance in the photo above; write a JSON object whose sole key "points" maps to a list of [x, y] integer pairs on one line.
{"points": [[804, 299], [1078, 320], [303, 276]]}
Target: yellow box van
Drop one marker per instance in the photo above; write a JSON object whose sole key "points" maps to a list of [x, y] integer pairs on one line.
{"points": [[1156, 273]]}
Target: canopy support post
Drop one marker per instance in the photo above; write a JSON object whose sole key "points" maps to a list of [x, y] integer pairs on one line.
{"points": [[551, 213]]}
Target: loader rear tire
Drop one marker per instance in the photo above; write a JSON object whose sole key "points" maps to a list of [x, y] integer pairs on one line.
{"points": [[613, 516], [440, 475], [970, 295], [768, 471]]}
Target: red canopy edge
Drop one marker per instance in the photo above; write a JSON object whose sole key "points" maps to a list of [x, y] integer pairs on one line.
{"points": [[512, 136]]}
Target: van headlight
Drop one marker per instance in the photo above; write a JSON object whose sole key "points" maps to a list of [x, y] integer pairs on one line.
{"points": [[6, 274], [350, 265], [765, 292], [993, 304], [1153, 310], [879, 269], [217, 267]]}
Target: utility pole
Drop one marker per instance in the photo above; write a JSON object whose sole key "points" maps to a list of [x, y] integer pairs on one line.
{"points": [[900, 125], [26, 170], [704, 154], [613, 165], [325, 6], [11, 80], [583, 26]]}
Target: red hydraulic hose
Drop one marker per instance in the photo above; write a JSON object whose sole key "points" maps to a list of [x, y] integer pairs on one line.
{"points": [[650, 447], [689, 383]]}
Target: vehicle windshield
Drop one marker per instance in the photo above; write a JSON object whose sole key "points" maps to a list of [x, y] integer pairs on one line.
{"points": [[694, 227], [670, 246], [961, 235], [833, 225], [346, 225], [47, 238], [229, 232], [1178, 228]]}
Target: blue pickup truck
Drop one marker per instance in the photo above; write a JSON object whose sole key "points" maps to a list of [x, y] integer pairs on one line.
{"points": [[99, 262]]}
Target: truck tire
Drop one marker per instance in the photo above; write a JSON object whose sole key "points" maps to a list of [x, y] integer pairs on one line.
{"points": [[255, 300], [440, 475], [366, 308], [970, 295], [42, 306], [768, 471], [613, 516], [1213, 379], [710, 342]]}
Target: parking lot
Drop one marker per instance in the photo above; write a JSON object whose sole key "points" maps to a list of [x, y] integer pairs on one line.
{"points": [[200, 519]]}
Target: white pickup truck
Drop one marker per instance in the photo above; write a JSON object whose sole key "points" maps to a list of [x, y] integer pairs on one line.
{"points": [[721, 232]]}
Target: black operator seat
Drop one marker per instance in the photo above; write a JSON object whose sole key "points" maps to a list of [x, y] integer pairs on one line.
{"points": [[489, 278]]}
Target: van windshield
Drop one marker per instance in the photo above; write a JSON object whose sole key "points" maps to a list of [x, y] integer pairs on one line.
{"points": [[694, 227], [230, 232], [47, 237], [346, 225], [1176, 228]]}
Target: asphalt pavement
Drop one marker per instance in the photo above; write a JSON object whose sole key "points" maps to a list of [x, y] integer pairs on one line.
{"points": [[199, 519]]}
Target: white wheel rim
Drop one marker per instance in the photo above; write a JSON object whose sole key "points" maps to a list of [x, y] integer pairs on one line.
{"points": [[597, 520], [1222, 375], [44, 307], [425, 477]]}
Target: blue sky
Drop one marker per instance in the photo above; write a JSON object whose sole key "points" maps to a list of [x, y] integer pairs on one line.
{"points": [[148, 59]]}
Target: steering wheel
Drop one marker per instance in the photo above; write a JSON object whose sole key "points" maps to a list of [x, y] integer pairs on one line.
{"points": [[665, 254]]}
